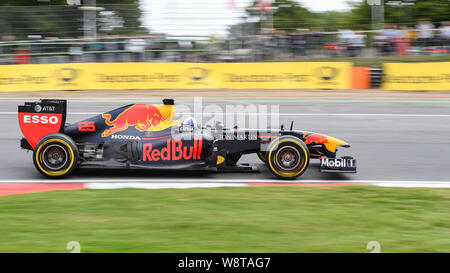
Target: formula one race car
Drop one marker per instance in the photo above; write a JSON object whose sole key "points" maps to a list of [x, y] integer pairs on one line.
{"points": [[145, 136]]}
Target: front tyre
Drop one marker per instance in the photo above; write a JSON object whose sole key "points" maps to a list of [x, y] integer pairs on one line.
{"points": [[262, 156], [287, 157], [55, 155]]}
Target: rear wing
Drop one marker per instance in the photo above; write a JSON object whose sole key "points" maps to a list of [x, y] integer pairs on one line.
{"points": [[41, 118]]}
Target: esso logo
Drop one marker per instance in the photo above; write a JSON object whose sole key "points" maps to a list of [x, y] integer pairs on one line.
{"points": [[40, 119]]}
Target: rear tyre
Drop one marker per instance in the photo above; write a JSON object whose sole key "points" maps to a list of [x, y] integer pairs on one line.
{"points": [[287, 157], [55, 156]]}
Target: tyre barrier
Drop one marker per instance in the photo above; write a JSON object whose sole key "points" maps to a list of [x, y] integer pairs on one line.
{"points": [[376, 77], [366, 77]]}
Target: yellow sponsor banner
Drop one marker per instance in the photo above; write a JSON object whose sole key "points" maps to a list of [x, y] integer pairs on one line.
{"points": [[285, 75], [82, 76], [417, 76]]}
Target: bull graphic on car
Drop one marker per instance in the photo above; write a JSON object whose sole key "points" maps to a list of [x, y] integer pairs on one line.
{"points": [[315, 138], [141, 116]]}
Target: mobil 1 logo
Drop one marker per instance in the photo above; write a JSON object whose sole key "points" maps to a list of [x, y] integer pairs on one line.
{"points": [[345, 164]]}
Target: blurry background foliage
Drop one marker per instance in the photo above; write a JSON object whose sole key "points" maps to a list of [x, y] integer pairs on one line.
{"points": [[290, 15], [55, 18], [21, 18], [434, 10]]}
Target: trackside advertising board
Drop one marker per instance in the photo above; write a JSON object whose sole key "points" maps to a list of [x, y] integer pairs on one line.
{"points": [[80, 76], [417, 76]]}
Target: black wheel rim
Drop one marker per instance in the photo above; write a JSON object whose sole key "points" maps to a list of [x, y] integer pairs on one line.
{"points": [[54, 157], [288, 158]]}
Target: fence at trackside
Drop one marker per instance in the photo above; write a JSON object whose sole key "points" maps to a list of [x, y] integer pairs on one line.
{"points": [[279, 75]]}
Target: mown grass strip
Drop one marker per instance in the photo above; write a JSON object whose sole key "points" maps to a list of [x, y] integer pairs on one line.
{"points": [[269, 219]]}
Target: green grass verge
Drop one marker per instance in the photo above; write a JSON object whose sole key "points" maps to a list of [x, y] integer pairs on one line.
{"points": [[269, 219], [373, 61]]}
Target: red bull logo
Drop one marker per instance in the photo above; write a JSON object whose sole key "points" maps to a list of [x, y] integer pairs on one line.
{"points": [[174, 150], [315, 138], [141, 116]]}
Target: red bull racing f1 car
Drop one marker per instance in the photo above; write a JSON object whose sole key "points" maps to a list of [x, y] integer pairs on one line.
{"points": [[146, 136]]}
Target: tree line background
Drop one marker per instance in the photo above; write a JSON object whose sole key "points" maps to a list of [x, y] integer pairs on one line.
{"points": [[55, 18], [291, 15], [21, 18]]}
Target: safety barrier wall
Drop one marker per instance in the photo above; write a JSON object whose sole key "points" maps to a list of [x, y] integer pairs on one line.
{"points": [[416, 76], [84, 76], [360, 77], [289, 75]]}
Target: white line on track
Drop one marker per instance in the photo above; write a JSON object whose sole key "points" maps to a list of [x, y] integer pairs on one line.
{"points": [[382, 183], [281, 114]]}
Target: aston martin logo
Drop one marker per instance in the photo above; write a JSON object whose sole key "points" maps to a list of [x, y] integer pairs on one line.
{"points": [[66, 75], [197, 74], [326, 73]]}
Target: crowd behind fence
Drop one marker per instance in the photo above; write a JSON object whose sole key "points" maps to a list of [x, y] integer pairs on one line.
{"points": [[424, 39]]}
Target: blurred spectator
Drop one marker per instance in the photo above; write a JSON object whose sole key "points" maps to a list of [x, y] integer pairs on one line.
{"points": [[393, 35], [425, 33], [266, 45], [401, 42], [385, 41], [35, 48], [171, 54], [137, 47], [111, 45], [185, 47], [411, 34], [75, 51], [94, 47], [380, 42], [315, 41], [357, 43], [351, 42], [333, 49], [444, 34], [299, 43], [282, 44]]}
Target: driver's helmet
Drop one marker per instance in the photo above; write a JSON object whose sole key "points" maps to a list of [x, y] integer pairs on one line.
{"points": [[192, 122]]}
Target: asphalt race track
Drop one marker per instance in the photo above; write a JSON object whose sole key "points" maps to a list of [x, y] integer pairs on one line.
{"points": [[392, 139]]}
